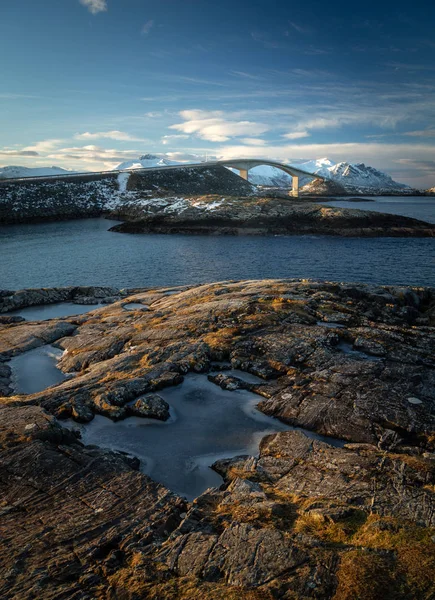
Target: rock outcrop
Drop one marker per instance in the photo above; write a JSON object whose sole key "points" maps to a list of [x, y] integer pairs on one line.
{"points": [[261, 216], [14, 300], [348, 518]]}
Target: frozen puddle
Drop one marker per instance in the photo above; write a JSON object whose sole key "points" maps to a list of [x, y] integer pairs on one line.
{"points": [[135, 306], [53, 311], [206, 424], [36, 370], [330, 324]]}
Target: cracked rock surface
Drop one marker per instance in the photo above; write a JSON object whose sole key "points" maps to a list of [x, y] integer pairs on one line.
{"points": [[353, 518]]}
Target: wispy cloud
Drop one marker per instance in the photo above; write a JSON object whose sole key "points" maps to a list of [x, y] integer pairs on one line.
{"points": [[216, 126], [300, 28], [409, 67], [147, 27], [18, 153], [253, 141], [44, 146], [167, 139], [95, 6], [17, 96], [295, 135], [119, 136], [245, 75], [266, 40], [429, 133], [194, 80]]}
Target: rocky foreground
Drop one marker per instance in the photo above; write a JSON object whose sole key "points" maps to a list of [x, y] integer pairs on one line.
{"points": [[304, 519]]}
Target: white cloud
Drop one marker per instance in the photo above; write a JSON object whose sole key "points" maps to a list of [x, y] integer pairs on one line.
{"points": [[295, 135], [215, 126], [119, 136], [423, 133], [253, 141], [18, 153], [167, 139], [44, 145], [147, 27], [95, 6]]}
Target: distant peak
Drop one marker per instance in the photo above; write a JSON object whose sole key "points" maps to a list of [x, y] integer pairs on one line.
{"points": [[148, 157]]}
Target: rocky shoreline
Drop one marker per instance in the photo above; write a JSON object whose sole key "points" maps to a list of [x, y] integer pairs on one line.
{"points": [[304, 519]]}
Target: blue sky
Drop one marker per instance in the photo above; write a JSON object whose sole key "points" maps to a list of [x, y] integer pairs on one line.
{"points": [[86, 84]]}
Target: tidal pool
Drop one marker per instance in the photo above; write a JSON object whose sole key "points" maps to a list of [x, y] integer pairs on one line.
{"points": [[206, 424], [135, 306], [53, 311], [36, 370]]}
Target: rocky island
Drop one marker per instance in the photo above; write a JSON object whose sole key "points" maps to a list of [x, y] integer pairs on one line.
{"points": [[340, 505]]}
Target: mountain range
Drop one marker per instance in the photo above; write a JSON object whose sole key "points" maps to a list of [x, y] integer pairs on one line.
{"points": [[354, 178], [16, 171]]}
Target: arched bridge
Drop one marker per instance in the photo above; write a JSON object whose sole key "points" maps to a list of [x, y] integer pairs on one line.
{"points": [[243, 165]]}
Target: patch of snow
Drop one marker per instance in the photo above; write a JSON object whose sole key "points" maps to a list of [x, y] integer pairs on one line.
{"points": [[122, 181], [215, 204], [413, 400]]}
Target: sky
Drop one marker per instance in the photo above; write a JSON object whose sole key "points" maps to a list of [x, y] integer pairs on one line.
{"points": [[87, 84]]}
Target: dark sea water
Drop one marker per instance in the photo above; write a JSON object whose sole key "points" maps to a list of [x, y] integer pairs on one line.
{"points": [[84, 252]]}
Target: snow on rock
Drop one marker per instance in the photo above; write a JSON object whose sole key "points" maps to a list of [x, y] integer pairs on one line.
{"points": [[16, 172], [123, 181]]}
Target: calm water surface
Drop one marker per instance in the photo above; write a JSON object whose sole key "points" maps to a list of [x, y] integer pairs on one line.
{"points": [[418, 207], [84, 252]]}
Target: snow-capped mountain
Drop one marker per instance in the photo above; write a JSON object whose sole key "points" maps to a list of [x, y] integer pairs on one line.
{"points": [[271, 176], [145, 161], [15, 171], [354, 178], [363, 176]]}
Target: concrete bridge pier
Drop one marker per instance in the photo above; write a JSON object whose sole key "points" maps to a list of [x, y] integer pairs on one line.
{"points": [[243, 173], [295, 187]]}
